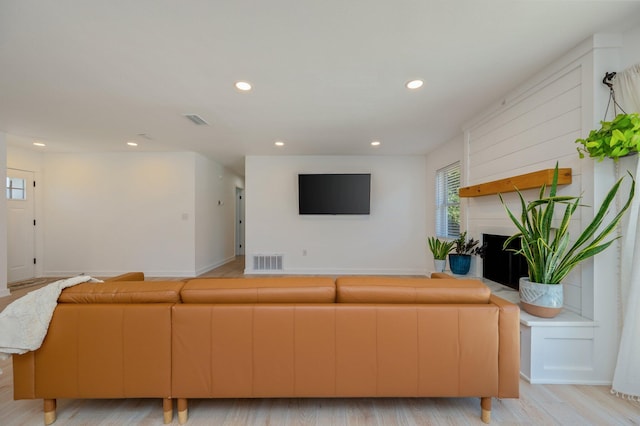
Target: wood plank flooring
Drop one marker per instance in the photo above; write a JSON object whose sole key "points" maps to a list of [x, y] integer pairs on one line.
{"points": [[537, 405]]}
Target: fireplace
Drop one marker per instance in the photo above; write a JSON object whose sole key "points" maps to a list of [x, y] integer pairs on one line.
{"points": [[502, 266]]}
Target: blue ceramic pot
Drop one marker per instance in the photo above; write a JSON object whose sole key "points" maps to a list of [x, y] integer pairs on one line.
{"points": [[460, 263]]}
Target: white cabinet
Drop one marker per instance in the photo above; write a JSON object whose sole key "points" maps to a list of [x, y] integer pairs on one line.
{"points": [[557, 350]]}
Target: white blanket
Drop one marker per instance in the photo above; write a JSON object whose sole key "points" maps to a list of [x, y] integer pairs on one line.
{"points": [[24, 323]]}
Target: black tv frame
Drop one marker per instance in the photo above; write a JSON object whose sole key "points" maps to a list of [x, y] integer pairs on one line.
{"points": [[334, 193]]}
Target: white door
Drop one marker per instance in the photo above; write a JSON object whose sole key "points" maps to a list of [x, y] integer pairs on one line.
{"points": [[20, 225], [239, 222]]}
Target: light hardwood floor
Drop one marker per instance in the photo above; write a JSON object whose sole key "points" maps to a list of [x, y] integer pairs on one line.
{"points": [[537, 405]]}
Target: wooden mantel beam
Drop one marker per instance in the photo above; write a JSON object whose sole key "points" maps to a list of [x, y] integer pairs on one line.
{"points": [[520, 182]]}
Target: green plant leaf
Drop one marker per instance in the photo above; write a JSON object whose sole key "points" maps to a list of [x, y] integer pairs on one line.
{"points": [[616, 136]]}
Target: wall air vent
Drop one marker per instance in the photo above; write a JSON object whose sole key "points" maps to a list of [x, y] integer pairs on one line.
{"points": [[267, 262], [196, 119]]}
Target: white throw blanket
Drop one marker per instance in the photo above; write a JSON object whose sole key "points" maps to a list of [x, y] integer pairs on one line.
{"points": [[24, 323]]}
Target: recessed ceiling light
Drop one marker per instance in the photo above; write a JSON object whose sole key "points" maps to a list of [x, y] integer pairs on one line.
{"points": [[39, 144], [243, 86], [375, 143], [132, 143], [279, 143], [414, 84]]}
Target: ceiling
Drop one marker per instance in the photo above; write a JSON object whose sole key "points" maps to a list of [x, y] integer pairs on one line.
{"points": [[328, 75]]}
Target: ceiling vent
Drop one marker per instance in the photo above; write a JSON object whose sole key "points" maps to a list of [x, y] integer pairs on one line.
{"points": [[145, 136], [196, 119]]}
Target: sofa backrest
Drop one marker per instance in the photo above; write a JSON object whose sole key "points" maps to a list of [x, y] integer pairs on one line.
{"points": [[362, 289], [123, 292], [260, 290], [290, 289]]}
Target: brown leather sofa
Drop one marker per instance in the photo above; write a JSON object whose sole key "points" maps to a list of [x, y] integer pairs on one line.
{"points": [[275, 337]]}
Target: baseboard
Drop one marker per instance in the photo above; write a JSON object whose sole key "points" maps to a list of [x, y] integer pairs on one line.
{"points": [[567, 382], [333, 272], [159, 274]]}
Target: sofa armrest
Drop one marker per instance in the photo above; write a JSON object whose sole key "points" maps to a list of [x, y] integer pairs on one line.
{"points": [[441, 275], [509, 350], [100, 351], [122, 292], [24, 376], [129, 276]]}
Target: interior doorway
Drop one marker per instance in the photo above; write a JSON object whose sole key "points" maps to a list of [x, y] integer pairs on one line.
{"points": [[239, 221], [21, 223]]}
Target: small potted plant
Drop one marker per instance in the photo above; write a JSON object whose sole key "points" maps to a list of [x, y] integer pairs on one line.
{"points": [[614, 139], [549, 251], [463, 249], [440, 249]]}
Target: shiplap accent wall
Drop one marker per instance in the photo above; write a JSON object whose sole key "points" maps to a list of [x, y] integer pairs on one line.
{"points": [[527, 133], [534, 126]]}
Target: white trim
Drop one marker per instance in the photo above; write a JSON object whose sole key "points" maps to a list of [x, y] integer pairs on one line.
{"points": [[328, 271]]}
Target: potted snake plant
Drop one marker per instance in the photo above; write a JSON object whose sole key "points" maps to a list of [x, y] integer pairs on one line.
{"points": [[439, 249], [549, 251]]}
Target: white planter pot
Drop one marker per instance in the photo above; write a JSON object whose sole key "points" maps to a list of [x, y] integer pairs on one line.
{"points": [[541, 300], [440, 264]]}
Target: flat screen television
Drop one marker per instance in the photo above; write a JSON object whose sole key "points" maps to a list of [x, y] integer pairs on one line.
{"points": [[334, 194]]}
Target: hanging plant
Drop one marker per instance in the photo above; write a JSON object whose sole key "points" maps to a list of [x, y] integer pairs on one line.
{"points": [[614, 139]]}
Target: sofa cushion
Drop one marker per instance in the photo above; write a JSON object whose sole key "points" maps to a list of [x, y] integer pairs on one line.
{"points": [[260, 290], [410, 290], [123, 292]]}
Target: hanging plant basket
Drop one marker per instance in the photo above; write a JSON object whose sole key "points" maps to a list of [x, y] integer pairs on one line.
{"points": [[614, 139]]}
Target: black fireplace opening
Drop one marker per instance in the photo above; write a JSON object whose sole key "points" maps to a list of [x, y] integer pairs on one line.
{"points": [[500, 265]]}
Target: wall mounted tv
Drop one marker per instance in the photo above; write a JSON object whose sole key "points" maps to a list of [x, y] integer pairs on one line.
{"points": [[334, 194]]}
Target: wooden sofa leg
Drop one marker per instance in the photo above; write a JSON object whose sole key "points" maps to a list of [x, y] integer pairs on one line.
{"points": [[167, 409], [49, 411], [183, 412], [485, 405]]}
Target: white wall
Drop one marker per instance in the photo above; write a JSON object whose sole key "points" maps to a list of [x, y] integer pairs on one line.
{"points": [[3, 218], [630, 48], [109, 213], [391, 240], [534, 127], [530, 132], [214, 214], [446, 154]]}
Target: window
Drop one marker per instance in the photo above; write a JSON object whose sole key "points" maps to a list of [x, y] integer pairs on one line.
{"points": [[448, 201], [16, 189]]}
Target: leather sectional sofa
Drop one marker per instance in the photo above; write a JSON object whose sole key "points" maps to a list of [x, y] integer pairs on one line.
{"points": [[268, 337]]}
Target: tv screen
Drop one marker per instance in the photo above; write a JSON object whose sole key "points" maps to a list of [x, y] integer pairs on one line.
{"points": [[334, 193]]}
